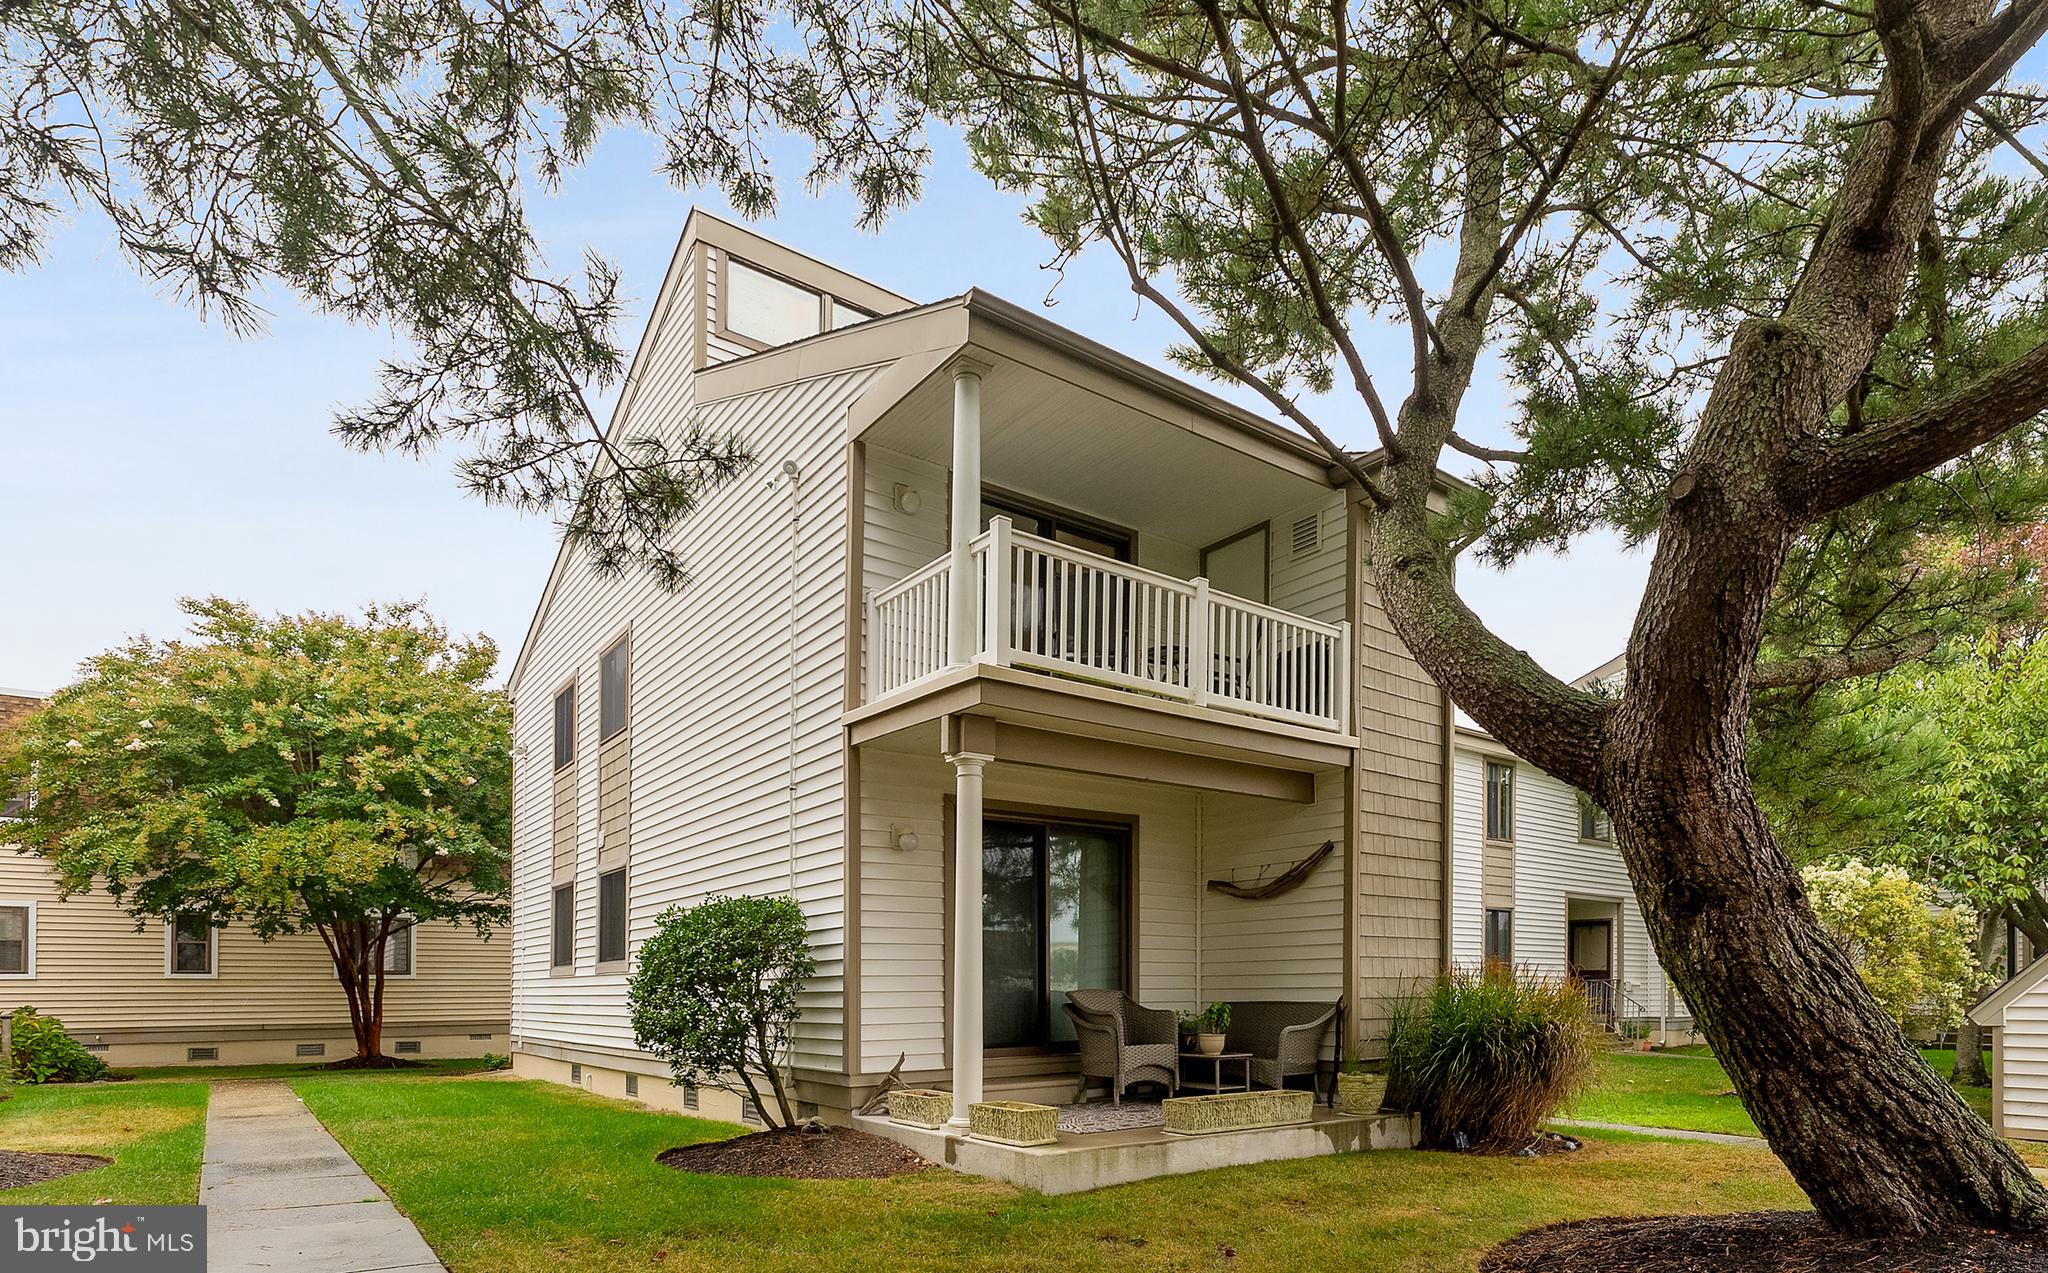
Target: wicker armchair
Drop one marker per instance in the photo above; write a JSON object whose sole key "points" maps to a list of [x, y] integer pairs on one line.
{"points": [[1122, 1041], [1284, 1037]]}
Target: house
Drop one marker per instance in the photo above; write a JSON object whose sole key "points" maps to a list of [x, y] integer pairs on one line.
{"points": [[1537, 881], [2016, 1016], [169, 994], [1008, 646]]}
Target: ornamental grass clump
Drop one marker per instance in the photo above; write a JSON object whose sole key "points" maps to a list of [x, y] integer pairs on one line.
{"points": [[1487, 1055]]}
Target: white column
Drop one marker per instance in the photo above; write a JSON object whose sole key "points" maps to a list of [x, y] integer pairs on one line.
{"points": [[961, 630], [967, 922]]}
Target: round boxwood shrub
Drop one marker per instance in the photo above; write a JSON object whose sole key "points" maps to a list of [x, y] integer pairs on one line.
{"points": [[1487, 1055], [714, 994], [44, 1053]]}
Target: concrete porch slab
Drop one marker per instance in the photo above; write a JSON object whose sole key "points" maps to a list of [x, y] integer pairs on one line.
{"points": [[1080, 1161]]}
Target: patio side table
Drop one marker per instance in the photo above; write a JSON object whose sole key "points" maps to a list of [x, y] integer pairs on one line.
{"points": [[1216, 1083]]}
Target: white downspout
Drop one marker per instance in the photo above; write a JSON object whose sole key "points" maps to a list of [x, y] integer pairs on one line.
{"points": [[794, 472]]}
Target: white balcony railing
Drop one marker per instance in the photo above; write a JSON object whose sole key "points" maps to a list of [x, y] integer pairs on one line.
{"points": [[1077, 614]]}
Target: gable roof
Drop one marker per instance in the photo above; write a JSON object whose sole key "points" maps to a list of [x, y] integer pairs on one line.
{"points": [[1990, 1010]]}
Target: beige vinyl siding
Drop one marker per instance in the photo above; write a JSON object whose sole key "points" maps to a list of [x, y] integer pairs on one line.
{"points": [[614, 798], [903, 905], [100, 975], [1285, 947], [711, 777], [1551, 866], [1402, 725], [1497, 875], [562, 828]]}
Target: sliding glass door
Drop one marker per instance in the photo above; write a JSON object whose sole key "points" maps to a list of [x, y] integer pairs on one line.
{"points": [[1054, 915]]}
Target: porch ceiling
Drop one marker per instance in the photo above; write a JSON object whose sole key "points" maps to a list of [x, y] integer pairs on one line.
{"points": [[1046, 434]]}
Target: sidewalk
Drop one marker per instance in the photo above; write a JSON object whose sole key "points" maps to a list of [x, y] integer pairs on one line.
{"points": [[281, 1193]]}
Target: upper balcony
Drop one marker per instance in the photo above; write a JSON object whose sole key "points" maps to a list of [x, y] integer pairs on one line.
{"points": [[1053, 608]]}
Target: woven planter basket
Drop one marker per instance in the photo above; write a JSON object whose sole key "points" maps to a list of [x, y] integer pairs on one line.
{"points": [[1361, 1093], [1237, 1111], [920, 1106], [1013, 1122]]}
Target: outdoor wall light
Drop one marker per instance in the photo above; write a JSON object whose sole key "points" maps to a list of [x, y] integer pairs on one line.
{"points": [[906, 500], [906, 839]]}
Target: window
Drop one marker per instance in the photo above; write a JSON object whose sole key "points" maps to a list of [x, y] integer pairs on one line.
{"points": [[565, 728], [191, 940], [611, 916], [1500, 800], [767, 309], [398, 948], [611, 690], [1500, 936], [17, 939], [1593, 823], [13, 807], [564, 933], [844, 315]]}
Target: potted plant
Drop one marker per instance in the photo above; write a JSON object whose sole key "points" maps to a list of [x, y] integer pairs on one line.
{"points": [[1206, 1028], [1357, 1091]]}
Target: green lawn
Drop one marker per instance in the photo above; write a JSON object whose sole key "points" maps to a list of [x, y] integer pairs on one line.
{"points": [[297, 1070], [525, 1175], [154, 1132], [1691, 1091]]}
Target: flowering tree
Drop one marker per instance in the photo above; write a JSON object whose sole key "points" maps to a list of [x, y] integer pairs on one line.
{"points": [[1915, 953], [304, 773]]}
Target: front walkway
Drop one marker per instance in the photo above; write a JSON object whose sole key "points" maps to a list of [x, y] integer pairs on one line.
{"points": [[280, 1193]]}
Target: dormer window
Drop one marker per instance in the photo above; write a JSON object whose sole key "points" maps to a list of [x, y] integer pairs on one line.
{"points": [[767, 309]]}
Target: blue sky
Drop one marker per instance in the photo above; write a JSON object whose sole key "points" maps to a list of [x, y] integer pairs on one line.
{"points": [[149, 456]]}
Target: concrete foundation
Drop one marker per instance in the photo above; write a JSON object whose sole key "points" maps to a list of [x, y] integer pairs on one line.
{"points": [[1093, 1160]]}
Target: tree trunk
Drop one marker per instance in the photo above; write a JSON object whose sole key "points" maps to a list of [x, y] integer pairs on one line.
{"points": [[1969, 1069]]}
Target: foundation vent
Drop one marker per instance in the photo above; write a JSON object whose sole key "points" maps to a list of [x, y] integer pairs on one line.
{"points": [[407, 1045], [202, 1054], [1306, 537], [480, 1036], [97, 1047], [576, 1069], [632, 1085], [689, 1096], [312, 1049], [749, 1112]]}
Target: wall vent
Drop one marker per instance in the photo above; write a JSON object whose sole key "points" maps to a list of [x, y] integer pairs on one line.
{"points": [[312, 1049], [575, 1072], [202, 1054], [1307, 535], [407, 1045], [749, 1112], [632, 1085], [97, 1047], [485, 1035], [689, 1096]]}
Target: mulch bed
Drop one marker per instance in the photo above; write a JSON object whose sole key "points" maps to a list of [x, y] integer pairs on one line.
{"points": [[837, 1153], [370, 1063], [1763, 1241], [18, 1169]]}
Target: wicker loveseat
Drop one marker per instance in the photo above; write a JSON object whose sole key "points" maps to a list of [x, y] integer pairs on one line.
{"points": [[1285, 1038], [1122, 1041]]}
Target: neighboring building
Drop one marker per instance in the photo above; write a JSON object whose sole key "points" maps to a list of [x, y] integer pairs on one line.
{"points": [[1537, 881], [168, 995], [1186, 677], [2016, 1014]]}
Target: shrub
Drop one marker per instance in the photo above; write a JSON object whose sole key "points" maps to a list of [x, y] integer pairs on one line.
{"points": [[1488, 1053], [44, 1053], [714, 994], [496, 1061]]}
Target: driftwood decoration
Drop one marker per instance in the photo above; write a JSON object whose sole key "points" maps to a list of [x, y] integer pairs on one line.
{"points": [[1288, 879], [894, 1078]]}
